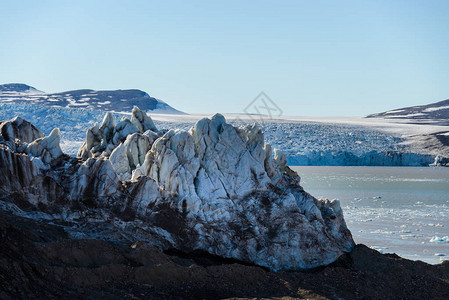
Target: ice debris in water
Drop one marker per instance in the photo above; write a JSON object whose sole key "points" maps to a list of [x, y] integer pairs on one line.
{"points": [[436, 239], [379, 249]]}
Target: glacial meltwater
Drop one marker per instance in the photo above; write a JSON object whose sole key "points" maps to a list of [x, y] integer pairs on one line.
{"points": [[402, 210]]}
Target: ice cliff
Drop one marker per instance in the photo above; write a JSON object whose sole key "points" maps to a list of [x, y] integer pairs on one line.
{"points": [[214, 188]]}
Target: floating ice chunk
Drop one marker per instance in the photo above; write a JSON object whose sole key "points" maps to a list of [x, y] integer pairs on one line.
{"points": [[405, 236], [436, 239], [380, 231], [379, 249]]}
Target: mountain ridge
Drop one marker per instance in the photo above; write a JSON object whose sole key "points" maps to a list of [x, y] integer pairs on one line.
{"points": [[437, 111], [17, 87], [106, 100]]}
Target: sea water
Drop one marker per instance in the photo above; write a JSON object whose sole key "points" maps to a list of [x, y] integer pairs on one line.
{"points": [[402, 210]]}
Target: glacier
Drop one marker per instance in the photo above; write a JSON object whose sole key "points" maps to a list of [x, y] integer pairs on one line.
{"points": [[215, 187], [303, 142]]}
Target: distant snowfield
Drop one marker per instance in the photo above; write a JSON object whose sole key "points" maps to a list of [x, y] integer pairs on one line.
{"points": [[305, 140]]}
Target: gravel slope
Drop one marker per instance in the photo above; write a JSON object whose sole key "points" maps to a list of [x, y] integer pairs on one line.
{"points": [[38, 260]]}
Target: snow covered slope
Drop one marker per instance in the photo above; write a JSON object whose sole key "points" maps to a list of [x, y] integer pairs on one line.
{"points": [[116, 101], [436, 114], [434, 111]]}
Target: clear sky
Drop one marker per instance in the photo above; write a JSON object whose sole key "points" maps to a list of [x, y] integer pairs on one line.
{"points": [[315, 58]]}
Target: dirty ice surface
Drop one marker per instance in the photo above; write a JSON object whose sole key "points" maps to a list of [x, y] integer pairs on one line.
{"points": [[402, 210]]}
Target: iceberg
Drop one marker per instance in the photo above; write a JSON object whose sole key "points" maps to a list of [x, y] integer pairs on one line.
{"points": [[216, 188], [436, 239]]}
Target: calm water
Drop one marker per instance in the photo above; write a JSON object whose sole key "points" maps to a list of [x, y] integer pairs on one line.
{"points": [[403, 210]]}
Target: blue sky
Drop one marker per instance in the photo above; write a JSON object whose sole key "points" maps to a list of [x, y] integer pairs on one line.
{"points": [[315, 58]]}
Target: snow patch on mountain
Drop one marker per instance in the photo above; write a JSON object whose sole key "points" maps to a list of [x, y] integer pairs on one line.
{"points": [[430, 109], [433, 111]]}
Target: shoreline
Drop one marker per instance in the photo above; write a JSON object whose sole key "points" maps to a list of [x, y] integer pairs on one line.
{"points": [[39, 260]]}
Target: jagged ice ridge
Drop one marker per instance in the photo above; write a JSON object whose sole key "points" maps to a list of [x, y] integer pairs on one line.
{"points": [[215, 188]]}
